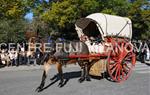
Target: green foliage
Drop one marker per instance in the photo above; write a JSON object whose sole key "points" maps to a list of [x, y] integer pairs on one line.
{"points": [[109, 11], [88, 6], [13, 9], [138, 11], [39, 6], [39, 26], [59, 16], [117, 7], [12, 23], [140, 17], [12, 30], [62, 15]]}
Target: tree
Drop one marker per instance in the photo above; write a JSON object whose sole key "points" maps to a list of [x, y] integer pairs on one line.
{"points": [[39, 6], [63, 14], [39, 26], [140, 16], [12, 30], [59, 16], [14, 9], [115, 7], [12, 22]]}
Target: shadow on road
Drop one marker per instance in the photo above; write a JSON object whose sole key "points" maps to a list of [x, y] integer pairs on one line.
{"points": [[148, 64], [2, 66], [67, 77]]}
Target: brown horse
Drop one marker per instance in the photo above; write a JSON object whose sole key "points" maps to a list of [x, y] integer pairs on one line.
{"points": [[60, 57]]}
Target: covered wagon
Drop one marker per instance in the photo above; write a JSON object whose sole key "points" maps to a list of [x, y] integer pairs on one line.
{"points": [[108, 38]]}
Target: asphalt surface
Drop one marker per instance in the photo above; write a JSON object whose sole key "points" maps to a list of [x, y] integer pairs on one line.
{"points": [[23, 80]]}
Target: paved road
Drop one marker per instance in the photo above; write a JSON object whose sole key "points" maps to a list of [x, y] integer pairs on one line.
{"points": [[24, 82]]}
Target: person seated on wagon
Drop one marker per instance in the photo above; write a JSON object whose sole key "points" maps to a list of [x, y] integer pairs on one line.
{"points": [[92, 39], [97, 39], [96, 44]]}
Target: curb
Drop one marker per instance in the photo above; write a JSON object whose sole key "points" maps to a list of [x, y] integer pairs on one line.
{"points": [[32, 67], [21, 68]]}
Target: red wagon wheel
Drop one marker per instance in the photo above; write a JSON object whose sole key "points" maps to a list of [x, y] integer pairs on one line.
{"points": [[120, 68]]}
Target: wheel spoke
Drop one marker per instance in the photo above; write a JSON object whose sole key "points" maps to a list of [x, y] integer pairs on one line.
{"points": [[127, 59], [126, 66], [116, 72], [119, 73], [123, 74], [126, 71], [128, 56], [113, 70], [113, 60], [112, 65]]}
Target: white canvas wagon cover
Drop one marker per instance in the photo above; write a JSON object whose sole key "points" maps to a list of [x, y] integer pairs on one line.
{"points": [[108, 25]]}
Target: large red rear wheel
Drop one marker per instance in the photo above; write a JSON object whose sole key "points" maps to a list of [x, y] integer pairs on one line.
{"points": [[120, 71], [120, 64]]}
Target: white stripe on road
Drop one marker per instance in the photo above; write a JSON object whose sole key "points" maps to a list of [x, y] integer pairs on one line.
{"points": [[143, 72], [141, 68], [140, 64]]}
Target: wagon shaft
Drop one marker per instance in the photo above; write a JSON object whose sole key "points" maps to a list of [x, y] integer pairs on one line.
{"points": [[87, 56]]}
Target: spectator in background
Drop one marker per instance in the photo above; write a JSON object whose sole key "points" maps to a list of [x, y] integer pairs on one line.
{"points": [[13, 57], [147, 54], [0, 57], [16, 57], [22, 55], [143, 52], [4, 57], [3, 54]]}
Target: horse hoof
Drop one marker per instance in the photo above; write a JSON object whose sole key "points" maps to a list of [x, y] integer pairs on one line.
{"points": [[81, 80], [53, 78], [39, 89], [60, 84], [88, 79]]}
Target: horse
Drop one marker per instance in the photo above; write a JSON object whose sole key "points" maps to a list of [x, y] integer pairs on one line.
{"points": [[61, 57]]}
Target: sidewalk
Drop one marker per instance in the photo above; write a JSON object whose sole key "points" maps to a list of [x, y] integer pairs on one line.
{"points": [[22, 68], [31, 67]]}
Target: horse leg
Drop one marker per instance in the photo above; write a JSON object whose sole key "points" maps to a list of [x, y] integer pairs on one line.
{"points": [[82, 78], [45, 72], [87, 69], [60, 72]]}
